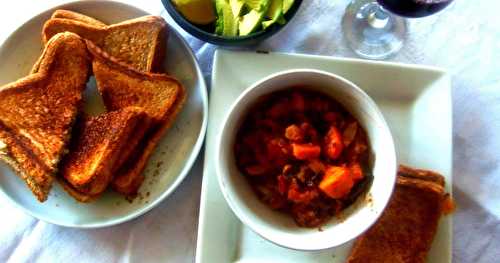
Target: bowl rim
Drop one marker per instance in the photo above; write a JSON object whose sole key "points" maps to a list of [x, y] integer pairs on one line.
{"points": [[221, 177], [203, 35]]}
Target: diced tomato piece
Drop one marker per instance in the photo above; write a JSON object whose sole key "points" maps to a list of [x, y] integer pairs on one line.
{"points": [[294, 133], [337, 182], [305, 151], [256, 169], [274, 148], [282, 184], [277, 152], [320, 105], [333, 143], [356, 171], [298, 102], [331, 116], [278, 109], [293, 192]]}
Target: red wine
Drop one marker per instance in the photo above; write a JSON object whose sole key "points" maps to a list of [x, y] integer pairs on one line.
{"points": [[414, 8]]}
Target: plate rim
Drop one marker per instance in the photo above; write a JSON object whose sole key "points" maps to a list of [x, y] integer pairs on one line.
{"points": [[219, 52], [192, 157]]}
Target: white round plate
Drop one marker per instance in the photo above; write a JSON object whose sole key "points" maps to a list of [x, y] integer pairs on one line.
{"points": [[173, 157]]}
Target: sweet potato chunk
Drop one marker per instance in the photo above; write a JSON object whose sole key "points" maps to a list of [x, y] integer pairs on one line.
{"points": [[305, 151], [333, 143], [337, 182]]}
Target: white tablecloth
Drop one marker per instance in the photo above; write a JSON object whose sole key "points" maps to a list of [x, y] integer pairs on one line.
{"points": [[464, 39]]}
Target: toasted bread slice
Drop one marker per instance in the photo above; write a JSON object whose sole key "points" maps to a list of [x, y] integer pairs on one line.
{"points": [[137, 42], [37, 112], [405, 231], [160, 95], [97, 148], [67, 14]]}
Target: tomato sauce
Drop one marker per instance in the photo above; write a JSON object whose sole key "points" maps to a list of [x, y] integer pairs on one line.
{"points": [[303, 154]]}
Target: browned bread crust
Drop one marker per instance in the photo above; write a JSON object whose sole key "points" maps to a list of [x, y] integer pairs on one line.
{"points": [[408, 172], [139, 42], [130, 177], [97, 148], [77, 195], [161, 96], [38, 111], [67, 14], [406, 229]]}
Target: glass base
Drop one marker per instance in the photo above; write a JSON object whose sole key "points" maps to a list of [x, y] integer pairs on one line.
{"points": [[372, 32]]}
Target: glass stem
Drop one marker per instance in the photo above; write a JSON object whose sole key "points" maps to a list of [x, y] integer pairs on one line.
{"points": [[378, 17]]}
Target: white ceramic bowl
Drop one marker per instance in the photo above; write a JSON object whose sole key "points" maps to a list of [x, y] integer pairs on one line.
{"points": [[278, 227]]}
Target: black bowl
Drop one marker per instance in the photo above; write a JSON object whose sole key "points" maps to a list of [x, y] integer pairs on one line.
{"points": [[205, 33]]}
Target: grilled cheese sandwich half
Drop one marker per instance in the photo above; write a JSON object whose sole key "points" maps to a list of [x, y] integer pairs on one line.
{"points": [[160, 95], [37, 112], [99, 146], [138, 42]]}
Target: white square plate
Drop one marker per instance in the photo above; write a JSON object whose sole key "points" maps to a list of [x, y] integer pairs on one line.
{"points": [[415, 100]]}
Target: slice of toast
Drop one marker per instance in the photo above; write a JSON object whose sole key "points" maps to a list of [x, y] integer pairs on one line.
{"points": [[138, 42], [98, 149], [161, 96], [37, 112], [406, 229], [67, 14]]}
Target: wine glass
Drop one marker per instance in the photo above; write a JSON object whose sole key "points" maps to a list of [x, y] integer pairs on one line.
{"points": [[374, 33]]}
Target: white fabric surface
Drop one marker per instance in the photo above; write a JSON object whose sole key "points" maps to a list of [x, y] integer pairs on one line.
{"points": [[464, 39]]}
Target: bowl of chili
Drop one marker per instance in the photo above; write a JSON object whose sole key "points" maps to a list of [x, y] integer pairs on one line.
{"points": [[307, 160]]}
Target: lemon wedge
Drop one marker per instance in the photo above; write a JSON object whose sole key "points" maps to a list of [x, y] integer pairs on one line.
{"points": [[196, 11]]}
